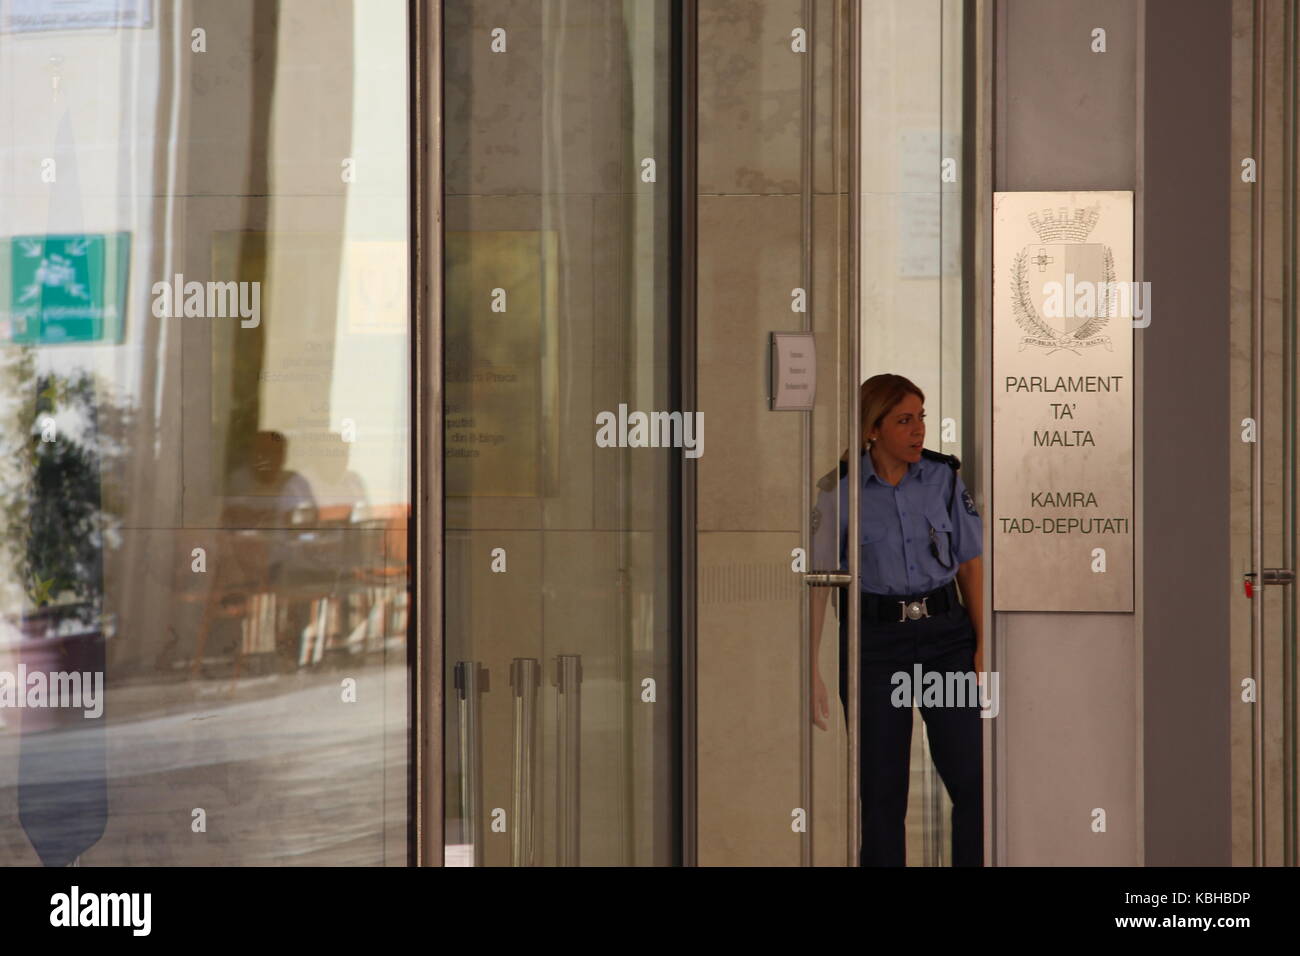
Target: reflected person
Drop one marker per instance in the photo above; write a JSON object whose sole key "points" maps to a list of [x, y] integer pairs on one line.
{"points": [[340, 491], [265, 494], [921, 537]]}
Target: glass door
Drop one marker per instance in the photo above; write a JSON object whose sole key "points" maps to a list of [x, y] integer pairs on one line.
{"points": [[774, 384], [204, 345], [563, 435], [614, 582], [822, 136], [914, 318], [1264, 499]]}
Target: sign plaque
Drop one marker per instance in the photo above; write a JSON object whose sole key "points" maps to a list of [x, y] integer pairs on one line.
{"points": [[794, 371], [1064, 305]]}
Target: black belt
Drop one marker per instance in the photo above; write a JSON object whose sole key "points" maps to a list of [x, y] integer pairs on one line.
{"points": [[895, 608]]}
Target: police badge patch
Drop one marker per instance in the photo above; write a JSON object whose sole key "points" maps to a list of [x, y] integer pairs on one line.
{"points": [[969, 502]]}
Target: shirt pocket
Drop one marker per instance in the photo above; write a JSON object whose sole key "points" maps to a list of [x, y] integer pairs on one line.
{"points": [[876, 561], [939, 528], [873, 531]]}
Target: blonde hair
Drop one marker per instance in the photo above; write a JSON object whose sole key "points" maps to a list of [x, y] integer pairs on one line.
{"points": [[878, 396]]}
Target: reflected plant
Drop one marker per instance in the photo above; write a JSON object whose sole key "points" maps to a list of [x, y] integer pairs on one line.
{"points": [[55, 519]]}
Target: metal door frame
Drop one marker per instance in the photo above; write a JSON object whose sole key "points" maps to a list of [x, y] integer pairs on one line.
{"points": [[425, 530]]}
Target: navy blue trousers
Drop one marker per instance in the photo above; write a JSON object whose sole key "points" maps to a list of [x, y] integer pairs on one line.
{"points": [[943, 643]]}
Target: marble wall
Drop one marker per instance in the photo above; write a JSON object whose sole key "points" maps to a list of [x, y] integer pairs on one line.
{"points": [[1065, 119]]}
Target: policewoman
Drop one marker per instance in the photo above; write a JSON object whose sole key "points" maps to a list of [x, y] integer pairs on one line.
{"points": [[921, 599]]}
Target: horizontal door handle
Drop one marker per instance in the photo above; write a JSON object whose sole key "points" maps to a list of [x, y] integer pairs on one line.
{"points": [[1271, 576], [827, 579]]}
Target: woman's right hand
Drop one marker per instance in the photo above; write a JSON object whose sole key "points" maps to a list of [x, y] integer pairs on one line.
{"points": [[821, 707]]}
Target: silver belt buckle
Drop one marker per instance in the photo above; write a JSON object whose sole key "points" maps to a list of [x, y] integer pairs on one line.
{"points": [[913, 610]]}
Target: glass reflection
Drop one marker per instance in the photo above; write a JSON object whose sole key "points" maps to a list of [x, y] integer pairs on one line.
{"points": [[560, 560], [204, 579]]}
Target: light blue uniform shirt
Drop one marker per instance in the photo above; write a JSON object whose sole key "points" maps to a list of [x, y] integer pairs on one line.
{"points": [[896, 525]]}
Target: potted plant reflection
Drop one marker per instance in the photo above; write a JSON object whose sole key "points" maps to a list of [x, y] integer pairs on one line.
{"points": [[56, 525]]}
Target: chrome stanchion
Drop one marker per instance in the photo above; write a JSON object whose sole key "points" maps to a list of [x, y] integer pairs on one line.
{"points": [[470, 681], [568, 757], [525, 678]]}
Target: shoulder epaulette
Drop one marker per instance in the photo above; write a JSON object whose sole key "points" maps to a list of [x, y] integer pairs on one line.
{"points": [[950, 460], [828, 481]]}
